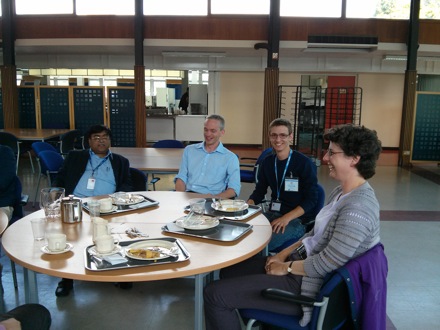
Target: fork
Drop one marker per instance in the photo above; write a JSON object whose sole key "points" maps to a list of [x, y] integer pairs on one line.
{"points": [[133, 232]]}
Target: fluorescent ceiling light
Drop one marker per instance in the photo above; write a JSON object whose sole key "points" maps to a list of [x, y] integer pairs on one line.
{"points": [[193, 54], [340, 45], [337, 50], [404, 58]]}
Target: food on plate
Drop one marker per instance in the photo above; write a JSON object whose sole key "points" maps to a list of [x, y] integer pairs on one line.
{"points": [[144, 253]]}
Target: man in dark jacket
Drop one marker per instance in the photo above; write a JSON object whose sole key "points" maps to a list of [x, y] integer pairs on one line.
{"points": [[96, 171], [93, 172], [7, 180]]}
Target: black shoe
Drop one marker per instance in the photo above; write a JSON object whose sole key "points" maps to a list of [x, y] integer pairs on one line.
{"points": [[64, 288], [125, 285]]}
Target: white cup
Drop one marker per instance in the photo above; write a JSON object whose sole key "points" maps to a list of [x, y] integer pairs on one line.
{"points": [[105, 244], [56, 242], [106, 204], [100, 228]]}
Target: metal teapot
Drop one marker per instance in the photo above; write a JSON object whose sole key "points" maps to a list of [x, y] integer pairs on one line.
{"points": [[71, 209]]}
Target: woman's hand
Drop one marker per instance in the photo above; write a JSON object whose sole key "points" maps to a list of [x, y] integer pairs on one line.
{"points": [[275, 258], [277, 268]]}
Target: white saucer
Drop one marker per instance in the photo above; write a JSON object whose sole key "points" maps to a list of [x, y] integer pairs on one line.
{"points": [[45, 249], [93, 251]]}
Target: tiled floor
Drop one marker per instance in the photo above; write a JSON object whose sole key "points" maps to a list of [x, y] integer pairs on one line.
{"points": [[411, 242]]}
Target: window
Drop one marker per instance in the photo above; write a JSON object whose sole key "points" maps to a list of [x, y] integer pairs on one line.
{"points": [[104, 7], [176, 8], [243, 7], [43, 7], [430, 9], [311, 8], [389, 9]]}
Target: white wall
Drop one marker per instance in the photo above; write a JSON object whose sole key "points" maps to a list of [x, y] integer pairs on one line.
{"points": [[382, 104], [240, 100]]}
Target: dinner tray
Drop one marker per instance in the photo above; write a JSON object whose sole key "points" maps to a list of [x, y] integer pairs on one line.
{"points": [[226, 231], [126, 208], [91, 262], [240, 215]]}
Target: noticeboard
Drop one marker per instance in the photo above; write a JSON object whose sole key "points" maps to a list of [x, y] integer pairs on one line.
{"points": [[426, 133]]}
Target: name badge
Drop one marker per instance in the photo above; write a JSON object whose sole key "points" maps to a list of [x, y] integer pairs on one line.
{"points": [[291, 184], [91, 183], [275, 206]]}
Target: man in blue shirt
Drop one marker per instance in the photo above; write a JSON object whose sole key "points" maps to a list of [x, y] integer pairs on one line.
{"points": [[93, 172], [209, 168]]}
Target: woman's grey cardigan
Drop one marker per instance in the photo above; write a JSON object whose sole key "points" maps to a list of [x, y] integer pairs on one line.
{"points": [[353, 229]]}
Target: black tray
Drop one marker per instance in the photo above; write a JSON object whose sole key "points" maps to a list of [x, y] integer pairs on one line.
{"points": [[226, 231], [91, 264], [126, 208], [240, 215]]}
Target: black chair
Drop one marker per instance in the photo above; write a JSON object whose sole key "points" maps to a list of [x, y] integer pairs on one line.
{"points": [[10, 140], [164, 144], [138, 179], [336, 305], [250, 176], [50, 162], [20, 200], [70, 141]]}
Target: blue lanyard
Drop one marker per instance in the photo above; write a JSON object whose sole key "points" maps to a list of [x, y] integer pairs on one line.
{"points": [[102, 162], [284, 174]]}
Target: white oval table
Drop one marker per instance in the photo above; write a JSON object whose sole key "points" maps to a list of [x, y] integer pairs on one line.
{"points": [[206, 255]]}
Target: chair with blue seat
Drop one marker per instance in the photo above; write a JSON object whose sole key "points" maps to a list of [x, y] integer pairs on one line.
{"points": [[50, 163], [168, 144], [164, 144], [38, 147], [307, 223], [251, 176], [351, 297]]}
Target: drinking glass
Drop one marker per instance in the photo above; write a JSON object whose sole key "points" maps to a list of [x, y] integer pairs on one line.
{"points": [[50, 201], [197, 207]]}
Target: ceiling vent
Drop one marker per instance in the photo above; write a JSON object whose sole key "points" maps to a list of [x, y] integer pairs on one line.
{"points": [[343, 43]]}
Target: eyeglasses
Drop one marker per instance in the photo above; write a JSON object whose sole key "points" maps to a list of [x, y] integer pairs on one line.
{"points": [[331, 152], [100, 138], [282, 136]]}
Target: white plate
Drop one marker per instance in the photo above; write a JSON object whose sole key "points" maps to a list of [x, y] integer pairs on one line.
{"points": [[207, 223], [45, 249], [115, 250], [228, 206], [113, 209], [163, 246], [127, 199]]}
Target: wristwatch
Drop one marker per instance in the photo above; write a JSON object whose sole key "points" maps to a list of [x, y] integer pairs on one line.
{"points": [[289, 268]]}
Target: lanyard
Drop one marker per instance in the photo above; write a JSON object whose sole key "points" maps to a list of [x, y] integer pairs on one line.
{"points": [[102, 162], [284, 174]]}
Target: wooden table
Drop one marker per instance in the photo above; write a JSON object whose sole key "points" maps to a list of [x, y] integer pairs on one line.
{"points": [[206, 255], [153, 160], [34, 134]]}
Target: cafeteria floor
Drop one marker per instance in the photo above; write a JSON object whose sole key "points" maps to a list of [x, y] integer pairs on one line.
{"points": [[410, 230]]}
